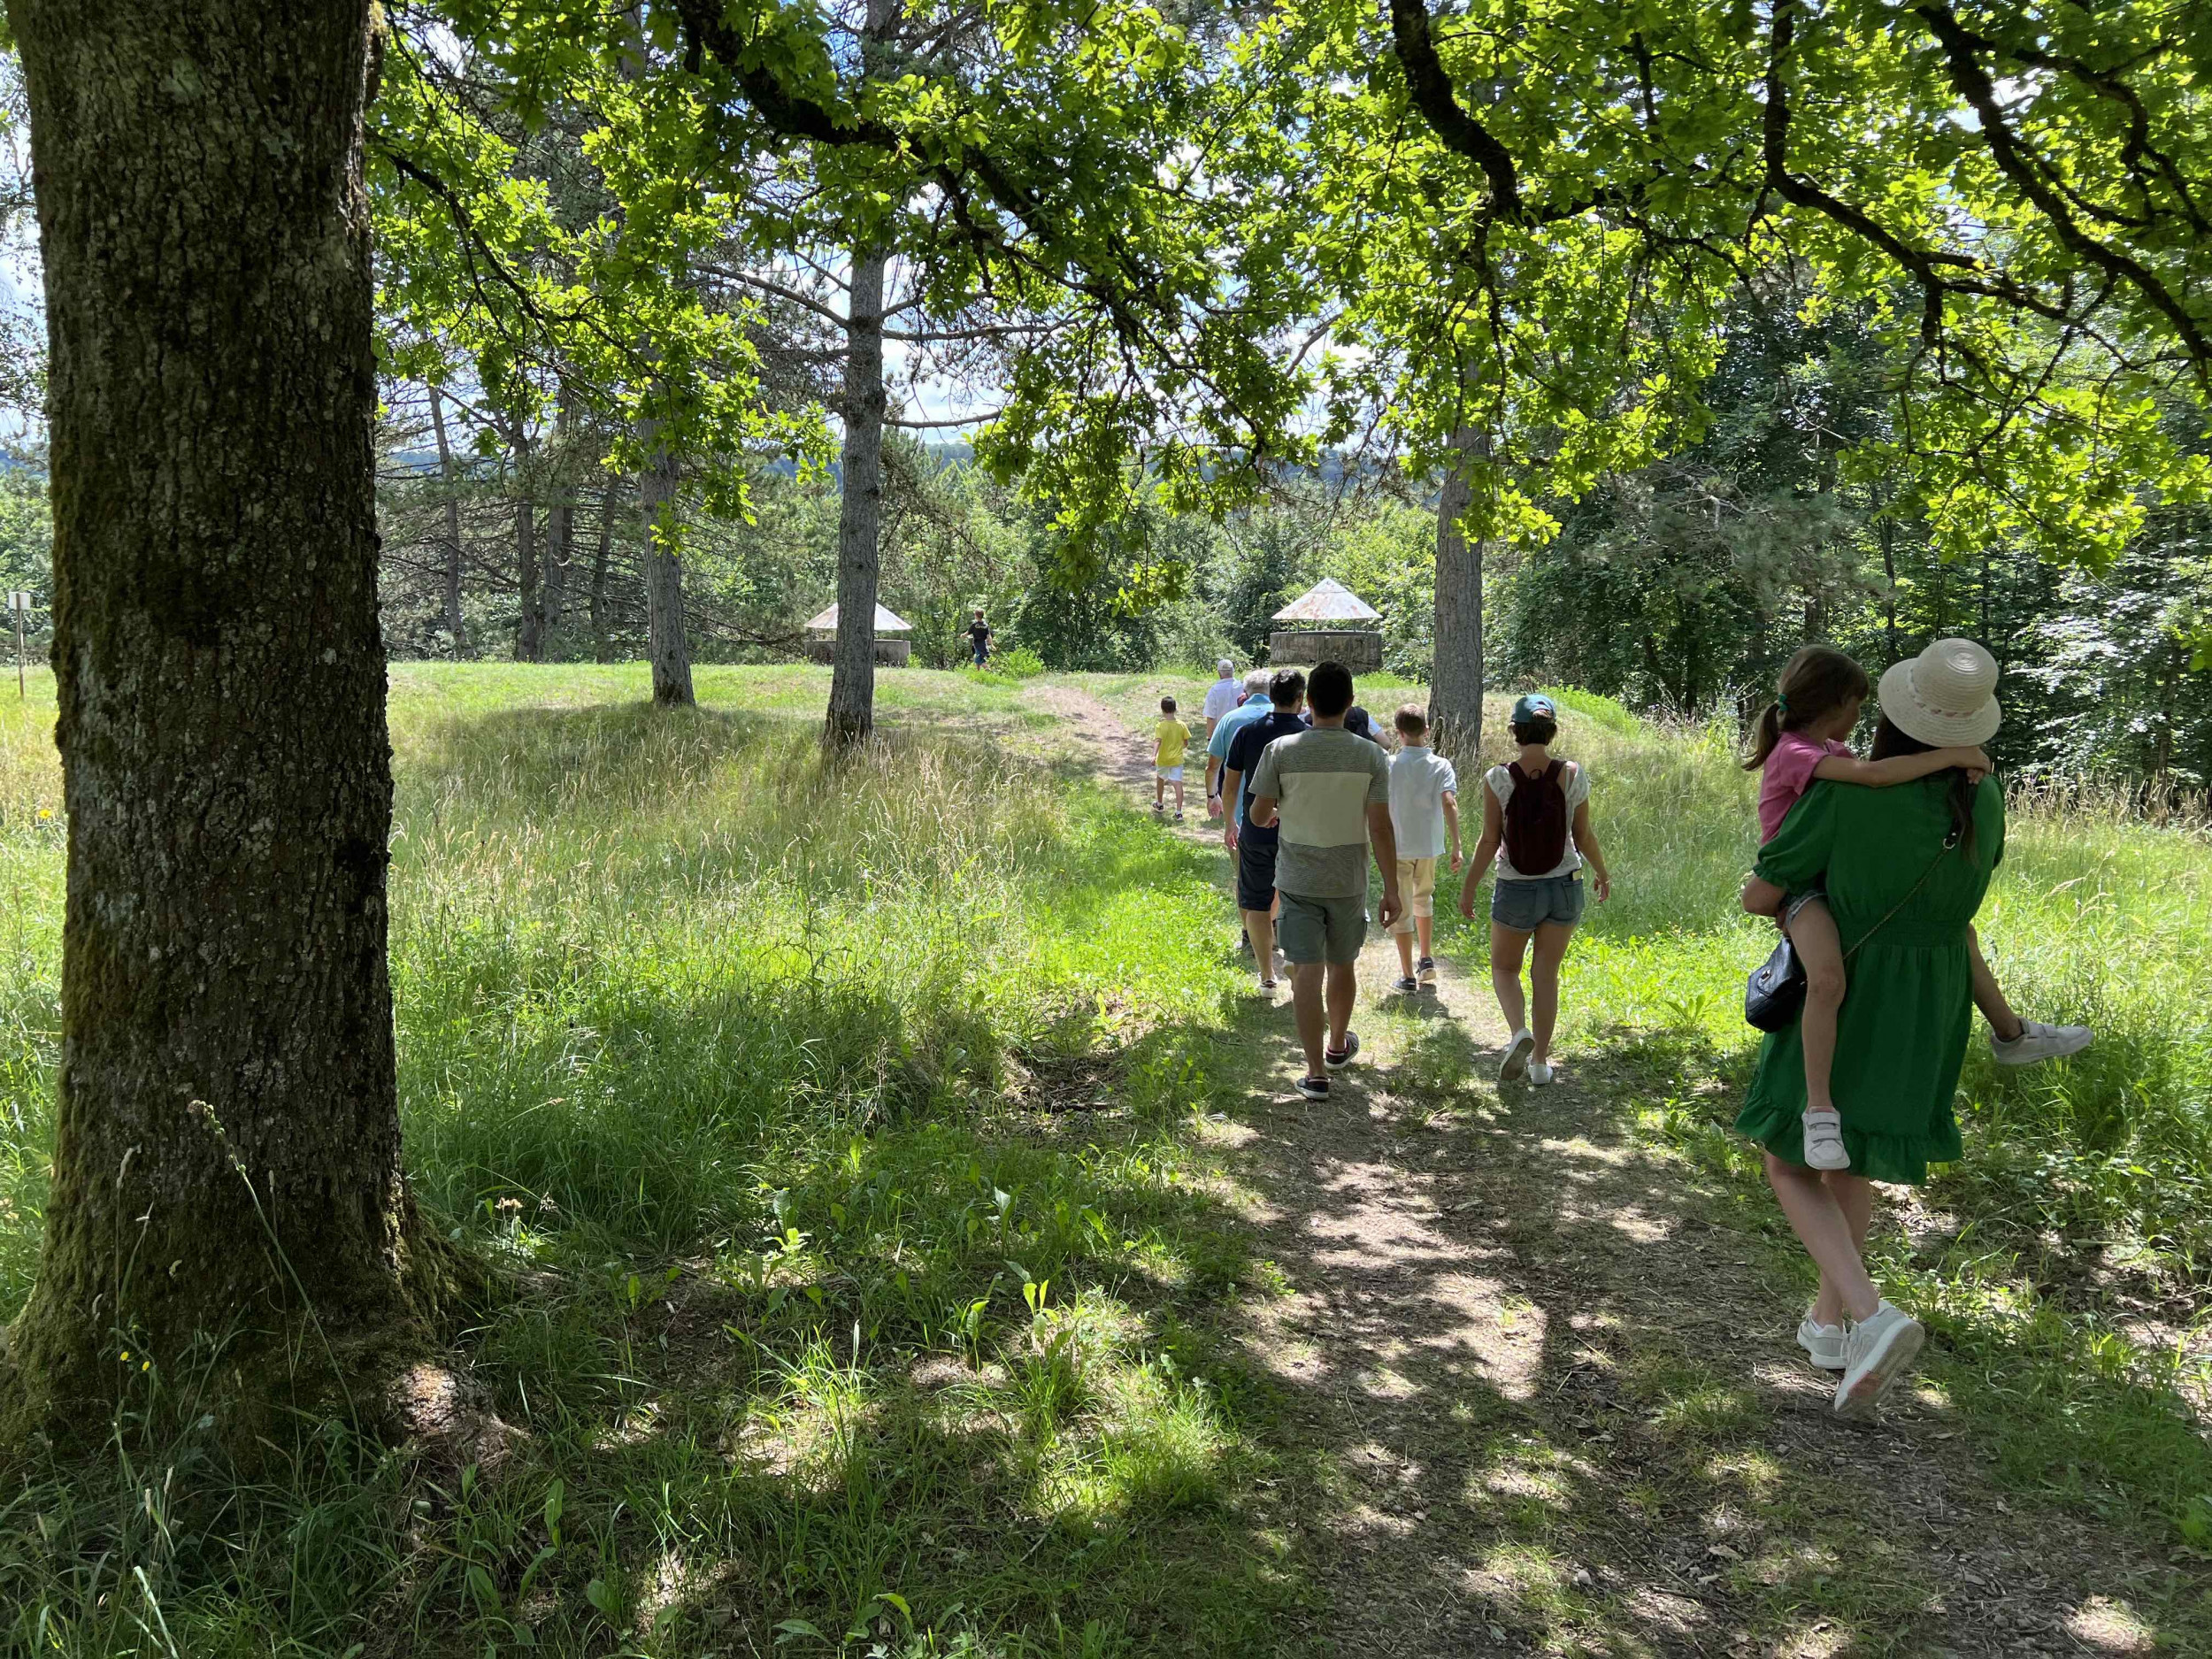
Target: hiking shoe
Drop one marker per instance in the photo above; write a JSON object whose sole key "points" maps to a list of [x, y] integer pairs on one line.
{"points": [[2038, 1041], [1157, 807], [1405, 987], [1179, 817], [1425, 970], [1516, 1053], [1823, 1141], [1822, 1343], [1314, 1087], [1876, 1353], [1539, 1072], [1337, 1059], [1267, 988]]}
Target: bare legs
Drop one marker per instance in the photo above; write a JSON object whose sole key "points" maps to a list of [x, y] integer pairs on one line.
{"points": [[1829, 1212], [1812, 931], [1322, 997], [1507, 945], [1259, 927], [1989, 996]]}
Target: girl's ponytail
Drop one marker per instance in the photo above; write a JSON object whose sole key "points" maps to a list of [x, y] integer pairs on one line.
{"points": [[1815, 682], [1765, 735]]}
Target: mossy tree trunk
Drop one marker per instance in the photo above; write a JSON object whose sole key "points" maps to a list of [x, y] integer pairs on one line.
{"points": [[1455, 685], [227, 1145], [667, 643], [851, 717], [852, 699], [450, 475]]}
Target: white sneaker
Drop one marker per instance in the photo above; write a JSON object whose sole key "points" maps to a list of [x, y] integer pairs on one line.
{"points": [[1823, 1141], [2038, 1041], [1516, 1054], [1822, 1343], [1876, 1353], [1538, 1073]]}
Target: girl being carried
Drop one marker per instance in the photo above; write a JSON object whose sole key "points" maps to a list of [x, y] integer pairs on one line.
{"points": [[1801, 736]]}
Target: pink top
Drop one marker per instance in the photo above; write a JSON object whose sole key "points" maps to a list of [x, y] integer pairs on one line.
{"points": [[1788, 774]]}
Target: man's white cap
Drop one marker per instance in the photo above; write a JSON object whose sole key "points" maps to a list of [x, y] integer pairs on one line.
{"points": [[1225, 668]]}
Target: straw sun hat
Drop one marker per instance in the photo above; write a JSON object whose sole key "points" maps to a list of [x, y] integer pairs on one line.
{"points": [[1945, 697]]}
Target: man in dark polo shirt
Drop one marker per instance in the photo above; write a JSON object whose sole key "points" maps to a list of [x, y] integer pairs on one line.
{"points": [[1254, 846]]}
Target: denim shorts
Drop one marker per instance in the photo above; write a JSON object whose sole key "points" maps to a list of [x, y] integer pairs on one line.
{"points": [[1525, 906]]}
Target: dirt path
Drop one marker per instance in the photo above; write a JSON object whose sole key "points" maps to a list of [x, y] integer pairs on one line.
{"points": [[1538, 1398]]}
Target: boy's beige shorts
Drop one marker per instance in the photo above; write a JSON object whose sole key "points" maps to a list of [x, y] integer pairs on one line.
{"points": [[1417, 892]]}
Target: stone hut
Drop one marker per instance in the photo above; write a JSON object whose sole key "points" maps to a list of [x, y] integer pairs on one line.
{"points": [[1329, 623], [893, 653]]}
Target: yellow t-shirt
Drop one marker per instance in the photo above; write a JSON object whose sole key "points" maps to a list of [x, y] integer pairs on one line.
{"points": [[1174, 737]]}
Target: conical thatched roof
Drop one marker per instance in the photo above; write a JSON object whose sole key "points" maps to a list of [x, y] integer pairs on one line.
{"points": [[1329, 600], [886, 622]]}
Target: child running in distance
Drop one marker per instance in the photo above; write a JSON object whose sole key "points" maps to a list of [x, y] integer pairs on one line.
{"points": [[1169, 743], [1536, 824], [1799, 738], [1425, 818]]}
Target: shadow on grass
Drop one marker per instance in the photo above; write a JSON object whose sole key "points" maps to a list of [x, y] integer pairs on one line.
{"points": [[1540, 1379]]}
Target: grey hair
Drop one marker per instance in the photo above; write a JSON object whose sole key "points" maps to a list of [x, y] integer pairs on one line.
{"points": [[1256, 680], [1225, 668]]}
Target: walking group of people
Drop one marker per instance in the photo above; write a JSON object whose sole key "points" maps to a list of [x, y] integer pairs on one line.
{"points": [[1872, 868]]}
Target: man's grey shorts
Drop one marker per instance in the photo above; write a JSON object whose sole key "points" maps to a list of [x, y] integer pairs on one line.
{"points": [[1321, 930]]}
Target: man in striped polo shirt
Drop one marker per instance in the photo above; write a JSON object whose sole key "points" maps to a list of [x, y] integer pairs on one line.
{"points": [[1328, 792]]}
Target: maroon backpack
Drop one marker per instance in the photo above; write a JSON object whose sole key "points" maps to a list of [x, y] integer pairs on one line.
{"points": [[1536, 820]]}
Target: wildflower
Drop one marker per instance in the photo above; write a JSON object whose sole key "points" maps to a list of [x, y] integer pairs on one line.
{"points": [[44, 813]]}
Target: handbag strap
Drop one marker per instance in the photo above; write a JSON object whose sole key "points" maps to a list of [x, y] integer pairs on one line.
{"points": [[1907, 899]]}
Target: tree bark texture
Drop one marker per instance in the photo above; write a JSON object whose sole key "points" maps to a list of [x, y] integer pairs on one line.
{"points": [[450, 473], [1455, 686], [560, 518], [530, 629], [852, 699], [607, 504], [227, 1148], [658, 487]]}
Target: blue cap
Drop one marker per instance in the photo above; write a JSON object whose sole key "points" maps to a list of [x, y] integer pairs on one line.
{"points": [[1535, 706]]}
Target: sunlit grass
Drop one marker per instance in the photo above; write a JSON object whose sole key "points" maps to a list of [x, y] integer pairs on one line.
{"points": [[818, 1329]]}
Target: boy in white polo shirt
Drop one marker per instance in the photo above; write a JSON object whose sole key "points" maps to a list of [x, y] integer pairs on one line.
{"points": [[1425, 817]]}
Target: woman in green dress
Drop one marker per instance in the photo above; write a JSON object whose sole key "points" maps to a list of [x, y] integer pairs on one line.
{"points": [[1905, 869]]}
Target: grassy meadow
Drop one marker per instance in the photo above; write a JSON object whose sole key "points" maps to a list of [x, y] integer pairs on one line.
{"points": [[854, 1141]]}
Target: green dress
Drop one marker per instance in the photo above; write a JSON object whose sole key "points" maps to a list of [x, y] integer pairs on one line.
{"points": [[1908, 1002]]}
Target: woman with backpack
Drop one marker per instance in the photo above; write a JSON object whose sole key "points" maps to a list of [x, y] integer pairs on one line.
{"points": [[1536, 824]]}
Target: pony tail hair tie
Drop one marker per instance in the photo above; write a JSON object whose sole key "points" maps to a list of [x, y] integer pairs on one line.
{"points": [[1782, 701]]}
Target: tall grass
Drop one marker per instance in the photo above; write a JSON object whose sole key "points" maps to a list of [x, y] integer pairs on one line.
{"points": [[841, 1308]]}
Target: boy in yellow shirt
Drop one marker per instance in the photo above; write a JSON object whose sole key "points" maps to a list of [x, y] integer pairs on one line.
{"points": [[1167, 758]]}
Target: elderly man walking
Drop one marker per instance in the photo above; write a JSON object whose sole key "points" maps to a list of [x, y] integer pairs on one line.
{"points": [[1221, 731], [1327, 793]]}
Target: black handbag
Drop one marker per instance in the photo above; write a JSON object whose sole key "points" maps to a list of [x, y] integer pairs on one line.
{"points": [[1774, 995]]}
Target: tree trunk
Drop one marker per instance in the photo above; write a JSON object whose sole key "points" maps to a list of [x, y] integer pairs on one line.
{"points": [[670, 650], [1455, 686], [607, 505], [451, 475], [852, 699], [1887, 531], [560, 518], [530, 629], [227, 1155]]}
